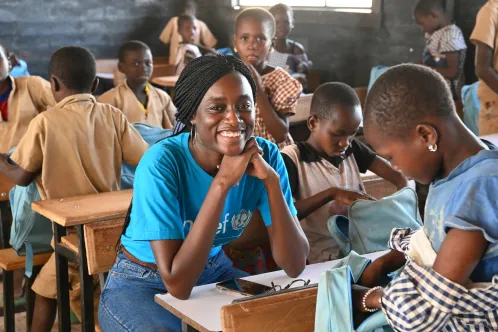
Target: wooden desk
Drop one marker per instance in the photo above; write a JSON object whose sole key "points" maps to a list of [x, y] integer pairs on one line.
{"points": [[165, 81], [78, 211], [202, 309]]}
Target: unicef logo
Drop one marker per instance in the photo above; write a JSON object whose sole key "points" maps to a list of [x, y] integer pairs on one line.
{"points": [[241, 220]]}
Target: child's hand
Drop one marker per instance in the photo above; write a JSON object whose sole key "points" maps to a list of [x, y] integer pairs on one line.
{"points": [[347, 197], [233, 168]]}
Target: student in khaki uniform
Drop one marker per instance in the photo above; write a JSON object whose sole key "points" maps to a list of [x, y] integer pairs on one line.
{"points": [[136, 98], [485, 37], [75, 148], [324, 172], [21, 99], [171, 36]]}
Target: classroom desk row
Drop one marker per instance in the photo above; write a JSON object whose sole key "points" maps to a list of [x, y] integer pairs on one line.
{"points": [[99, 219]]}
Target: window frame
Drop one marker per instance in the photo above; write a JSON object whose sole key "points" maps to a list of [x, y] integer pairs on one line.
{"points": [[329, 14]]}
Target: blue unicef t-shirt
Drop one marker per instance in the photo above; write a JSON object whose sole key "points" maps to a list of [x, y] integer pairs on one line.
{"points": [[467, 200], [169, 190]]}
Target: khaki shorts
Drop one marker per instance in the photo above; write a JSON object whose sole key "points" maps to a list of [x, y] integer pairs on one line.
{"points": [[46, 286]]}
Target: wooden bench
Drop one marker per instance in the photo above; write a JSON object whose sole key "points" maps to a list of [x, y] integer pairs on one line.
{"points": [[9, 262]]}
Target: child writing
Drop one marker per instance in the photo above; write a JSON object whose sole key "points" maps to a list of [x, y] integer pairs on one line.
{"points": [[278, 92], [21, 99], [170, 35], [196, 191], [485, 38], [287, 53], [136, 98], [75, 148], [327, 166], [445, 46], [415, 126], [187, 49]]}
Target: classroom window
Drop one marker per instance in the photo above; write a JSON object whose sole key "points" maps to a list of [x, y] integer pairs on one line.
{"points": [[358, 6]]}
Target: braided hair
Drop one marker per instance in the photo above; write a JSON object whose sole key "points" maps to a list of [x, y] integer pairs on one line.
{"points": [[196, 79]]}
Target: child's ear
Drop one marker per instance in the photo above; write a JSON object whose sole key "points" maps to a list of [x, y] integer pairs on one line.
{"points": [[120, 67], [95, 84], [55, 82], [428, 134], [312, 122]]}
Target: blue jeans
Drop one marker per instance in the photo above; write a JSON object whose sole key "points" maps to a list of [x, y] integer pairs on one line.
{"points": [[127, 301]]}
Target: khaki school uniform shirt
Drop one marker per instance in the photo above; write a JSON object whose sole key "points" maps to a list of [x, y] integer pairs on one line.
{"points": [[485, 31], [160, 109], [170, 36], [314, 176], [30, 95], [78, 146]]}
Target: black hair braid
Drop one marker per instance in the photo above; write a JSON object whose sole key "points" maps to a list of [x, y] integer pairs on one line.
{"points": [[196, 79]]}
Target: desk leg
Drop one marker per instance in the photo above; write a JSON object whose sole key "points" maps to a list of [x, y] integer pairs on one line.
{"points": [[86, 282], [62, 281], [187, 328], [8, 301], [5, 221]]}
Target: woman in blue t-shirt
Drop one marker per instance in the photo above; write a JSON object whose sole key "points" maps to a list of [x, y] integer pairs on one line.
{"points": [[193, 193]]}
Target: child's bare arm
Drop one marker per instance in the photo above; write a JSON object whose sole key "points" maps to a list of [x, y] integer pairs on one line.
{"points": [[382, 168], [452, 68], [383, 265], [460, 253], [484, 65], [15, 173], [278, 125], [309, 205]]}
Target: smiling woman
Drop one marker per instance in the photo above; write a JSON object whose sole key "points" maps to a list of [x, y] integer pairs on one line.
{"points": [[195, 192]]}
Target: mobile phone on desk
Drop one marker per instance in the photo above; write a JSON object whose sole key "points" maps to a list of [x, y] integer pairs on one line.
{"points": [[244, 287]]}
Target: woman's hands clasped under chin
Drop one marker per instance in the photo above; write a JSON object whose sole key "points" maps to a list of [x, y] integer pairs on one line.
{"points": [[249, 162]]}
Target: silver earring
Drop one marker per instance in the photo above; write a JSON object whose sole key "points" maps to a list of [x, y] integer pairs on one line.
{"points": [[433, 148]]}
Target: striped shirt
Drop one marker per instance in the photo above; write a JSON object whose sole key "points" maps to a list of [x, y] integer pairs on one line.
{"points": [[448, 39], [421, 299]]}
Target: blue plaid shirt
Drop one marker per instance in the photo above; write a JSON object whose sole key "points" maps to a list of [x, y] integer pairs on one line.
{"points": [[421, 299]]}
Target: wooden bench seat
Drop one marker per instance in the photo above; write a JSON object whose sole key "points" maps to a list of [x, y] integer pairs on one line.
{"points": [[10, 260]]}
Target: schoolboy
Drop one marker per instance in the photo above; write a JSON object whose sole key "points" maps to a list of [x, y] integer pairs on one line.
{"points": [[75, 148], [21, 99], [170, 35], [136, 98], [326, 168]]}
